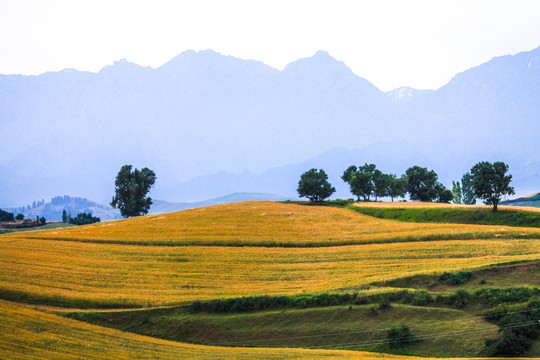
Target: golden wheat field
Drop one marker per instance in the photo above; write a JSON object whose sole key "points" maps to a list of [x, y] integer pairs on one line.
{"points": [[269, 224], [150, 276], [30, 334], [36, 264]]}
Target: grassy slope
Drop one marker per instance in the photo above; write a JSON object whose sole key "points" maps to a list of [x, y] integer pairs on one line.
{"points": [[30, 334], [270, 224], [447, 213], [446, 332], [509, 275]]}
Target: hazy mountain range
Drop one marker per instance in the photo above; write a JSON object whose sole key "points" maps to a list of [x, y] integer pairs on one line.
{"points": [[211, 125], [52, 210]]}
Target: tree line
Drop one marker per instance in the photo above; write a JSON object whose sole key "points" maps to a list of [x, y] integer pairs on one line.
{"points": [[485, 180]]}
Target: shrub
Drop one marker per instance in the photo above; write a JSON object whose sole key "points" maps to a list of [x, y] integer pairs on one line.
{"points": [[508, 344], [385, 305], [519, 329], [457, 278], [400, 337], [422, 298]]}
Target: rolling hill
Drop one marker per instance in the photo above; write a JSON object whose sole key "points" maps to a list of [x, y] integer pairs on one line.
{"points": [[328, 270]]}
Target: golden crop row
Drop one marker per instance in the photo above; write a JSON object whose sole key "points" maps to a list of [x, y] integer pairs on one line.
{"points": [[30, 334], [269, 224], [161, 275]]}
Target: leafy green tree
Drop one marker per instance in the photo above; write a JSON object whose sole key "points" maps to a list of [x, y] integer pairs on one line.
{"points": [[6, 216], [131, 188], [64, 216], [347, 174], [361, 180], [381, 182], [457, 196], [361, 185], [421, 185], [397, 187], [19, 217], [444, 195], [314, 185], [467, 191], [463, 192], [490, 182], [42, 220]]}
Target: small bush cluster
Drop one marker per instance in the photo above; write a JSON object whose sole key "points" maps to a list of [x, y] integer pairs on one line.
{"points": [[400, 337], [495, 296], [84, 219], [458, 278], [459, 299], [256, 303]]}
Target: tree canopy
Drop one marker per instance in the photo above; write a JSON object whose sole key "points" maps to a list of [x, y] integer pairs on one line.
{"points": [[463, 193], [131, 188], [422, 182], [397, 187], [490, 182], [314, 185], [361, 180]]}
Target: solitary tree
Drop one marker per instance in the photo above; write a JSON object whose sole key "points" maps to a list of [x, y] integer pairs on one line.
{"points": [[131, 188], [64, 216], [421, 184], [490, 182], [314, 185], [19, 217]]}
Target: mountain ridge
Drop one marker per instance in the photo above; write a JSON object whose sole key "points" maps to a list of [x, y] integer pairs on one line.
{"points": [[70, 131]]}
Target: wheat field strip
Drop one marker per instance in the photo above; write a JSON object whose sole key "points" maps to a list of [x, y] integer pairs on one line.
{"points": [[269, 224], [156, 275]]}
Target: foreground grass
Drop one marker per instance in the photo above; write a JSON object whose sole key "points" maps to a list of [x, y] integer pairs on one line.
{"points": [[269, 224], [30, 334], [444, 332], [110, 275]]}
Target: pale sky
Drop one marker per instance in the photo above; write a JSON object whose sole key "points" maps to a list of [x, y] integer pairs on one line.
{"points": [[391, 43]]}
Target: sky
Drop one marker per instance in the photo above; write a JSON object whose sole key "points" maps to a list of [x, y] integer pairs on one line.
{"points": [[391, 43]]}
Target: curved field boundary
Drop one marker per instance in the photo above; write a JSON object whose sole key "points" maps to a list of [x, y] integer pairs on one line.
{"points": [[271, 225]]}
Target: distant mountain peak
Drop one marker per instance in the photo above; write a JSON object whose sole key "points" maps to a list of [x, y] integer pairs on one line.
{"points": [[320, 61], [123, 66]]}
